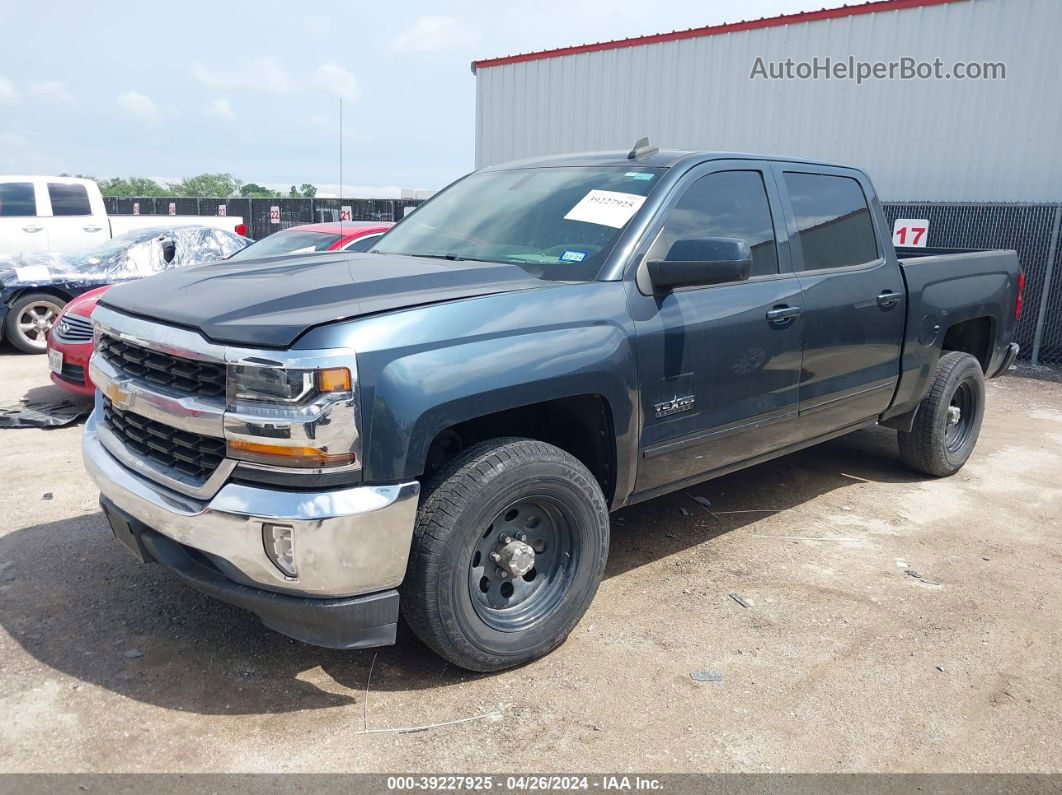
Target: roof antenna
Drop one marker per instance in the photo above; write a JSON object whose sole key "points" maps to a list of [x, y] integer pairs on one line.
{"points": [[641, 149]]}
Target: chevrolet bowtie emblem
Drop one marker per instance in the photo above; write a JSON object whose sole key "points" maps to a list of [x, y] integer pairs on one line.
{"points": [[118, 396]]}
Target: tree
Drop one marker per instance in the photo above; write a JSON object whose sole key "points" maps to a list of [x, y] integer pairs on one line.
{"points": [[133, 186], [294, 192], [253, 190], [308, 190], [207, 186]]}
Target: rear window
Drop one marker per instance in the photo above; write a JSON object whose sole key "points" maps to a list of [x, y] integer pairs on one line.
{"points": [[833, 220], [16, 198], [69, 199], [288, 242]]}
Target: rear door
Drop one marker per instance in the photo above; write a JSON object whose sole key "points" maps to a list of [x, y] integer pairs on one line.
{"points": [[853, 297], [75, 223], [718, 375], [21, 228]]}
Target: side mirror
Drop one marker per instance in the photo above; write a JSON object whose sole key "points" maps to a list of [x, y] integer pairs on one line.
{"points": [[701, 261]]}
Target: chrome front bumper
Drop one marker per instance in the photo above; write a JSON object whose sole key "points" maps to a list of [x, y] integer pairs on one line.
{"points": [[347, 541]]}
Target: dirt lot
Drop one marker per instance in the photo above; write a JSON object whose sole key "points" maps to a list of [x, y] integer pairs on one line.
{"points": [[842, 661]]}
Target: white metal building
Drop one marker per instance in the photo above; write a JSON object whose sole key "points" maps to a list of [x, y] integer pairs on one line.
{"points": [[941, 139]]}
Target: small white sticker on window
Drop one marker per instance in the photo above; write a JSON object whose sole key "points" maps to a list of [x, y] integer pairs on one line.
{"points": [[573, 255], [606, 208], [33, 273]]}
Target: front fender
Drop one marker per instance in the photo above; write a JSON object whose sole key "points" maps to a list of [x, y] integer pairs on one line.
{"points": [[421, 394]]}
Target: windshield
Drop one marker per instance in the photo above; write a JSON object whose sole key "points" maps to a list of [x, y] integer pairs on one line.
{"points": [[288, 242], [555, 223]]}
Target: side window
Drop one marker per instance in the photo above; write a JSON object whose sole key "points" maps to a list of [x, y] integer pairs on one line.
{"points": [[727, 204], [363, 243], [69, 199], [833, 220], [16, 198]]}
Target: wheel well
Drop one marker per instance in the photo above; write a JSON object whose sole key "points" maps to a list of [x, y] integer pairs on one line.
{"points": [[61, 294], [972, 336], [580, 425]]}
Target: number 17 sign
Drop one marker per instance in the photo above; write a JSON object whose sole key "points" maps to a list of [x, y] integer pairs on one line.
{"points": [[910, 232]]}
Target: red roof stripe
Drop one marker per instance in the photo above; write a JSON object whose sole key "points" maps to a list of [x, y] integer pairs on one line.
{"points": [[734, 27]]}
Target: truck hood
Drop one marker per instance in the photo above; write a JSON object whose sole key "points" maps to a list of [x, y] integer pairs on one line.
{"points": [[269, 302]]}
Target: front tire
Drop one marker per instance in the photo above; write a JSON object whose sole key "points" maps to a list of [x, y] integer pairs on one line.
{"points": [[509, 548], [30, 319], [949, 418]]}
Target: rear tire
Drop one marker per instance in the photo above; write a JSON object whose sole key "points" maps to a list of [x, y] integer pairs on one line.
{"points": [[30, 319], [948, 420], [505, 497]]}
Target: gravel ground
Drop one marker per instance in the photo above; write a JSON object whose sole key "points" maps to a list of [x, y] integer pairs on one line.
{"points": [[890, 623]]}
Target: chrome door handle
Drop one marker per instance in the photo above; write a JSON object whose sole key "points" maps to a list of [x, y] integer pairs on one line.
{"points": [[889, 298], [782, 316], [93, 228], [32, 228]]}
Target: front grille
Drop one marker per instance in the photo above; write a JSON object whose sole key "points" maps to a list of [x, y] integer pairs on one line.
{"points": [[188, 453], [74, 373], [73, 328], [188, 377]]}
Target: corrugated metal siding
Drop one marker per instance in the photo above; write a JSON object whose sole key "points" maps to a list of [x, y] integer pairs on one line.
{"points": [[954, 140]]}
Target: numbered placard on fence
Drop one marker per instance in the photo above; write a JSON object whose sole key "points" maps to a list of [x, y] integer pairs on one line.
{"points": [[345, 213], [173, 208], [223, 210], [910, 232], [274, 215]]}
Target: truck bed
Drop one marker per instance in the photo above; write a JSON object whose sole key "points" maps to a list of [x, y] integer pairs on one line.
{"points": [[946, 287]]}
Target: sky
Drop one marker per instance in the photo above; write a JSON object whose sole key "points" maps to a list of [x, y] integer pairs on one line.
{"points": [[169, 90]]}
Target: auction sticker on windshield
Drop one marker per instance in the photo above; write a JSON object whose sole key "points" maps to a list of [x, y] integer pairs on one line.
{"points": [[606, 208]]}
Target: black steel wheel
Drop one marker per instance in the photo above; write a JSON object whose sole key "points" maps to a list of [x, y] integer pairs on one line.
{"points": [[523, 563], [948, 420], [510, 546]]}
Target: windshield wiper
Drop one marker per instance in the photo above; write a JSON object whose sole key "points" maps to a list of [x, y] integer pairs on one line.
{"points": [[451, 257]]}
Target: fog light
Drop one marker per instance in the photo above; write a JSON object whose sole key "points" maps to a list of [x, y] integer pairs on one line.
{"points": [[279, 540]]}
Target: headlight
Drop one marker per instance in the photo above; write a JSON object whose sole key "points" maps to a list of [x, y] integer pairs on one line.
{"points": [[284, 386], [292, 417]]}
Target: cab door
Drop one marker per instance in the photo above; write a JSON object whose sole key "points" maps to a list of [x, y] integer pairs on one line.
{"points": [[854, 297], [74, 222], [719, 366], [21, 228]]}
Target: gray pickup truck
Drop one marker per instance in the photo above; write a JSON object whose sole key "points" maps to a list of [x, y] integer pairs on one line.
{"points": [[443, 425]]}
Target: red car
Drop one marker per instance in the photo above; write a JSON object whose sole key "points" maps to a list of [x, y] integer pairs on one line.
{"points": [[70, 343], [70, 340], [310, 238]]}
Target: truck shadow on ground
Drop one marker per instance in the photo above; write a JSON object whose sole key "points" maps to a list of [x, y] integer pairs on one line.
{"points": [[78, 603]]}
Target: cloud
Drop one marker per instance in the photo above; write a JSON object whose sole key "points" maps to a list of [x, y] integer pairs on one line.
{"points": [[138, 106], [221, 109], [7, 90], [251, 74], [54, 91], [333, 77], [434, 33]]}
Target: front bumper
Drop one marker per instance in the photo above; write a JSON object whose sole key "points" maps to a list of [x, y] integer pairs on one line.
{"points": [[75, 375], [347, 542], [349, 623]]}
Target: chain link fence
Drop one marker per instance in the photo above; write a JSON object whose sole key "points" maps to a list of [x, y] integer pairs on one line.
{"points": [[1030, 229], [259, 214]]}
